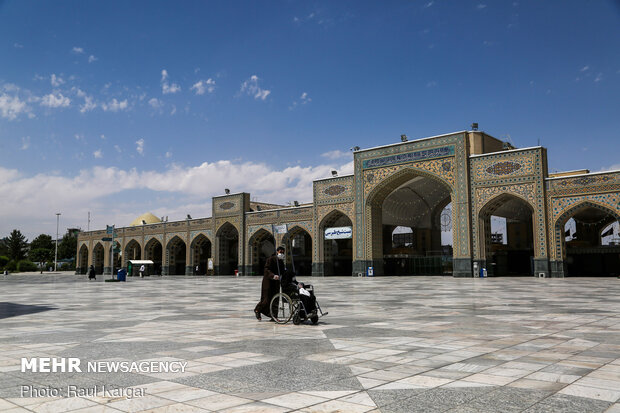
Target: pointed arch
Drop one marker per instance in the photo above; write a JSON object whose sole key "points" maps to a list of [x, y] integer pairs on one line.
{"points": [[176, 252], [584, 255], [98, 257], [154, 251], [83, 259], [227, 249], [515, 254], [411, 198], [200, 253], [299, 243], [336, 254], [261, 245]]}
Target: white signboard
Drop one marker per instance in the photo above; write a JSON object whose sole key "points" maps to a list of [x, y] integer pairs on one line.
{"points": [[210, 264], [339, 233], [280, 229]]}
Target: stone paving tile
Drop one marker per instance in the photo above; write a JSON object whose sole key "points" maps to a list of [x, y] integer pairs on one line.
{"points": [[491, 345]]}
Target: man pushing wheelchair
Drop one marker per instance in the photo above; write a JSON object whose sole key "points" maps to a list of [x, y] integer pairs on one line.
{"points": [[282, 296]]}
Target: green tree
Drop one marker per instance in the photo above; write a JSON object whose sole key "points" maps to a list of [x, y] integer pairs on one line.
{"points": [[17, 245], [41, 255], [3, 249], [42, 241], [67, 247]]}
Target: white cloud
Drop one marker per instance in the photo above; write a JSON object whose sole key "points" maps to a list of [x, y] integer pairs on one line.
{"points": [[56, 80], [78, 137], [203, 86], [168, 154], [140, 146], [117, 148], [614, 167], [304, 98], [598, 77], [429, 4], [335, 154], [251, 88], [88, 105], [156, 103], [115, 106], [92, 58], [77, 50], [11, 107], [481, 6], [98, 154], [18, 46], [56, 100], [432, 83], [167, 88], [174, 110], [583, 69], [25, 143]]}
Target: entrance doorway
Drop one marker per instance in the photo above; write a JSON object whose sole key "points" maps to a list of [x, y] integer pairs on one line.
{"points": [[228, 248], [592, 242], [337, 252], [508, 236]]}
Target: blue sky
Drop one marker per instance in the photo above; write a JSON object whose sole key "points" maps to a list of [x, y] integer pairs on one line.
{"points": [[119, 108]]}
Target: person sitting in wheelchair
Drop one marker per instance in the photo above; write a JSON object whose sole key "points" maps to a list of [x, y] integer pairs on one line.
{"points": [[305, 292]]}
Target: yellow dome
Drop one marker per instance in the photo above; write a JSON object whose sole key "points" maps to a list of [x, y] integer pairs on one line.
{"points": [[148, 218]]}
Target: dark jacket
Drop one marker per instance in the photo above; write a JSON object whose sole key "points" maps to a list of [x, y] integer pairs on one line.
{"points": [[269, 286]]}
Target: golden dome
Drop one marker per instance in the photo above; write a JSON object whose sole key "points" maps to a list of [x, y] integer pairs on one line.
{"points": [[148, 218]]}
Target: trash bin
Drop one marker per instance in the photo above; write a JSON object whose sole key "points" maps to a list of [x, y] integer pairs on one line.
{"points": [[121, 275]]}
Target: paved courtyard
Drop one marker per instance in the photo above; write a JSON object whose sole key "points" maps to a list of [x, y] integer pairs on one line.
{"points": [[413, 344]]}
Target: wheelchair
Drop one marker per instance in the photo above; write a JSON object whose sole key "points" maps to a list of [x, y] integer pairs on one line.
{"points": [[284, 307]]}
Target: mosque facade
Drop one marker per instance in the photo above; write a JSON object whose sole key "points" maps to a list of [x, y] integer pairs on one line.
{"points": [[430, 206]]}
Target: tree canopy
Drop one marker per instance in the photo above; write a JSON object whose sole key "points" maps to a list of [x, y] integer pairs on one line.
{"points": [[17, 245]]}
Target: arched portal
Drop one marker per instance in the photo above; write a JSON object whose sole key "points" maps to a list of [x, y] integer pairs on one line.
{"points": [[408, 214], [83, 259], [98, 256], [299, 245], [200, 254], [262, 245], [132, 251], [337, 248], [176, 252], [228, 249], [154, 251], [581, 231], [507, 236]]}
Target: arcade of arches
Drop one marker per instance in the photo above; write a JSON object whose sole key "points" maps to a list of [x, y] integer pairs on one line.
{"points": [[462, 204]]}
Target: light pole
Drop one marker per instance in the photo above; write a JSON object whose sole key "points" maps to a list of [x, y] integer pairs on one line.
{"points": [[56, 254]]}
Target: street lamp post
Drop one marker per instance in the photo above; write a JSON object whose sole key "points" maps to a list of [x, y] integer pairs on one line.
{"points": [[56, 253]]}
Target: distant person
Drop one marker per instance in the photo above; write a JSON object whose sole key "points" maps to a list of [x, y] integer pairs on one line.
{"points": [[270, 285], [142, 271], [196, 270], [91, 273]]}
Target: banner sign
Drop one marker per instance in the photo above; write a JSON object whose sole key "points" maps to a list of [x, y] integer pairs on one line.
{"points": [[409, 157], [339, 233], [279, 229]]}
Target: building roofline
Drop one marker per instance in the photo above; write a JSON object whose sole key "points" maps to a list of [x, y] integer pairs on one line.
{"points": [[508, 151], [415, 140], [279, 209], [333, 177], [588, 174], [236, 193]]}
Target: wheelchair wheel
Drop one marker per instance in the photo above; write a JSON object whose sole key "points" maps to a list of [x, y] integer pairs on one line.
{"points": [[315, 319], [281, 308], [296, 318]]}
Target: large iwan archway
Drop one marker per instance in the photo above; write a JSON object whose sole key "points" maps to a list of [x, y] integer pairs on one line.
{"points": [[411, 225], [581, 231]]}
